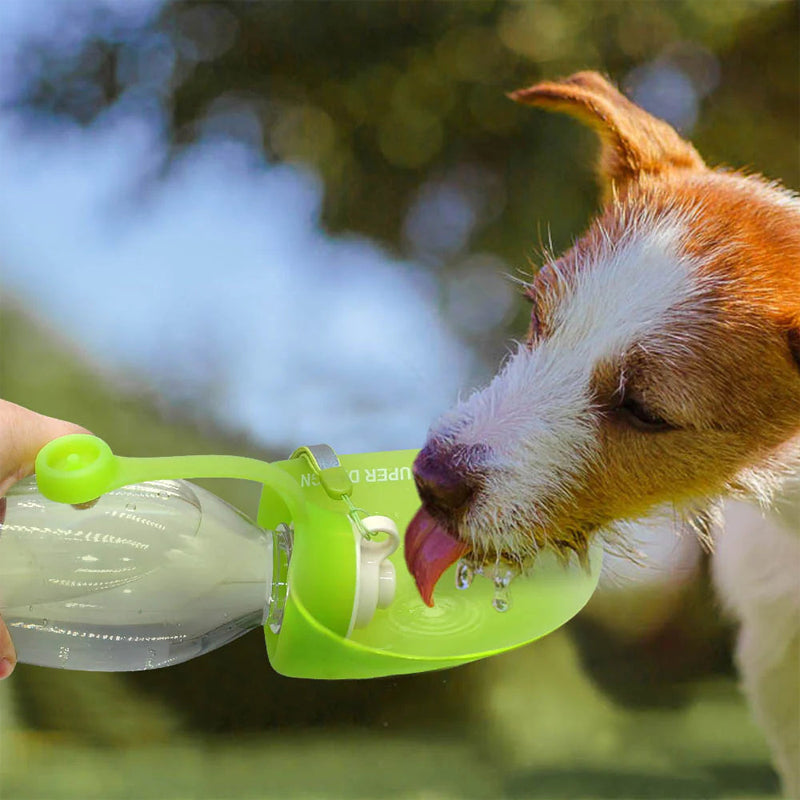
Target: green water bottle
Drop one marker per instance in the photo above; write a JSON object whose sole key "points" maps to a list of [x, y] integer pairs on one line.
{"points": [[151, 570]]}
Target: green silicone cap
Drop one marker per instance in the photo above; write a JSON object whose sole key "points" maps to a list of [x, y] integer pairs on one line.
{"points": [[322, 504]]}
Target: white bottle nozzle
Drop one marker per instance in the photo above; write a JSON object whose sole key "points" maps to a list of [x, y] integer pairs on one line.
{"points": [[376, 578]]}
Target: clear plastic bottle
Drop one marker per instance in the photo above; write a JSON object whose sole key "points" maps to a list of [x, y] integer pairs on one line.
{"points": [[152, 575]]}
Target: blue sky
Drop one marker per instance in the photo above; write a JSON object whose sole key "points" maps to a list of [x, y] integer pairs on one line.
{"points": [[217, 285]]}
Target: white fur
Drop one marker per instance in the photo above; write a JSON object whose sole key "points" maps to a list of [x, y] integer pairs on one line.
{"points": [[537, 416], [756, 569]]}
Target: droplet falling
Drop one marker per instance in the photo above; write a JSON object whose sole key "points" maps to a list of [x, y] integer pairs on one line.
{"points": [[464, 575], [501, 574], [502, 599]]}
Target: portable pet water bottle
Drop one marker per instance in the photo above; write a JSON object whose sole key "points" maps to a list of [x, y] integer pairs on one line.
{"points": [[111, 563]]}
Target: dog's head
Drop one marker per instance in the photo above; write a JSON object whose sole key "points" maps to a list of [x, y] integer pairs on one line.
{"points": [[661, 366]]}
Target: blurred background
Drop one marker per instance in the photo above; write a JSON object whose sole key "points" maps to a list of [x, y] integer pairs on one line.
{"points": [[243, 227]]}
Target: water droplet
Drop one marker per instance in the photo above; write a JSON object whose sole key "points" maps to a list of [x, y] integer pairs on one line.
{"points": [[130, 507], [63, 654], [45, 622], [464, 575], [502, 578], [501, 602], [500, 573]]}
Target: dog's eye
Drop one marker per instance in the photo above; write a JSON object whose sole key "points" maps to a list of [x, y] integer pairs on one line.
{"points": [[639, 416]]}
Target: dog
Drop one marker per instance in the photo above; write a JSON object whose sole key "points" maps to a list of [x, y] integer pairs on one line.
{"points": [[661, 370]]}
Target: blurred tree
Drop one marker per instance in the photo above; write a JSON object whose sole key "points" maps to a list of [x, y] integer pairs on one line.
{"points": [[400, 107]]}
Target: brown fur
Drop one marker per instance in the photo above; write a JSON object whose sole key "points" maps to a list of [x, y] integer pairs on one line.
{"points": [[727, 378], [634, 143], [703, 405]]}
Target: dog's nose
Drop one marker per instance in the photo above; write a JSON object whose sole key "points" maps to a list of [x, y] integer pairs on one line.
{"points": [[447, 477]]}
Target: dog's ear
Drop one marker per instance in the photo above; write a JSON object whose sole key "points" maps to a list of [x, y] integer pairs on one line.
{"points": [[633, 141]]}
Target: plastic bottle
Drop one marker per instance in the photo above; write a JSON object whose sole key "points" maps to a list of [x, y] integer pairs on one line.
{"points": [[158, 570], [151, 575]]}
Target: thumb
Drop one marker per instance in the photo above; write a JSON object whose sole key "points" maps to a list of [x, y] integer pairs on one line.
{"points": [[23, 433]]}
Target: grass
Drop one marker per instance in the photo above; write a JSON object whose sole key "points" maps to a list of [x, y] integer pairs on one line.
{"points": [[709, 749]]}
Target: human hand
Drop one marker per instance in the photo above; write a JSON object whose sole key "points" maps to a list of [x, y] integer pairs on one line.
{"points": [[23, 434]]}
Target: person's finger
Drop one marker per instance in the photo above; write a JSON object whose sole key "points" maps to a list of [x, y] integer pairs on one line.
{"points": [[22, 434], [8, 656]]}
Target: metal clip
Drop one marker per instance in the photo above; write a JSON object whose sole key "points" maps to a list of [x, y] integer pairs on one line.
{"points": [[334, 480]]}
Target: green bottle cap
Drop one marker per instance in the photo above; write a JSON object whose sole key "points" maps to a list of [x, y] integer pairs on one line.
{"points": [[323, 501]]}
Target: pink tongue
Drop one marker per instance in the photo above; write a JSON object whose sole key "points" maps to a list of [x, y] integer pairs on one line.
{"points": [[430, 549]]}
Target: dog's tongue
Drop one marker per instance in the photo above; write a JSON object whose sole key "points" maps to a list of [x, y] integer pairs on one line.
{"points": [[430, 549]]}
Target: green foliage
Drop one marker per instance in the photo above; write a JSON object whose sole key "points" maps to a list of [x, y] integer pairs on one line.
{"points": [[380, 98]]}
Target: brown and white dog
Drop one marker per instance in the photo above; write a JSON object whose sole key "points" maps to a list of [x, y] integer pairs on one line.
{"points": [[661, 370]]}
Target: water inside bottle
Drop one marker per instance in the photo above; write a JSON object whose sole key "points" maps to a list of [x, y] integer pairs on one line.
{"points": [[152, 575]]}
